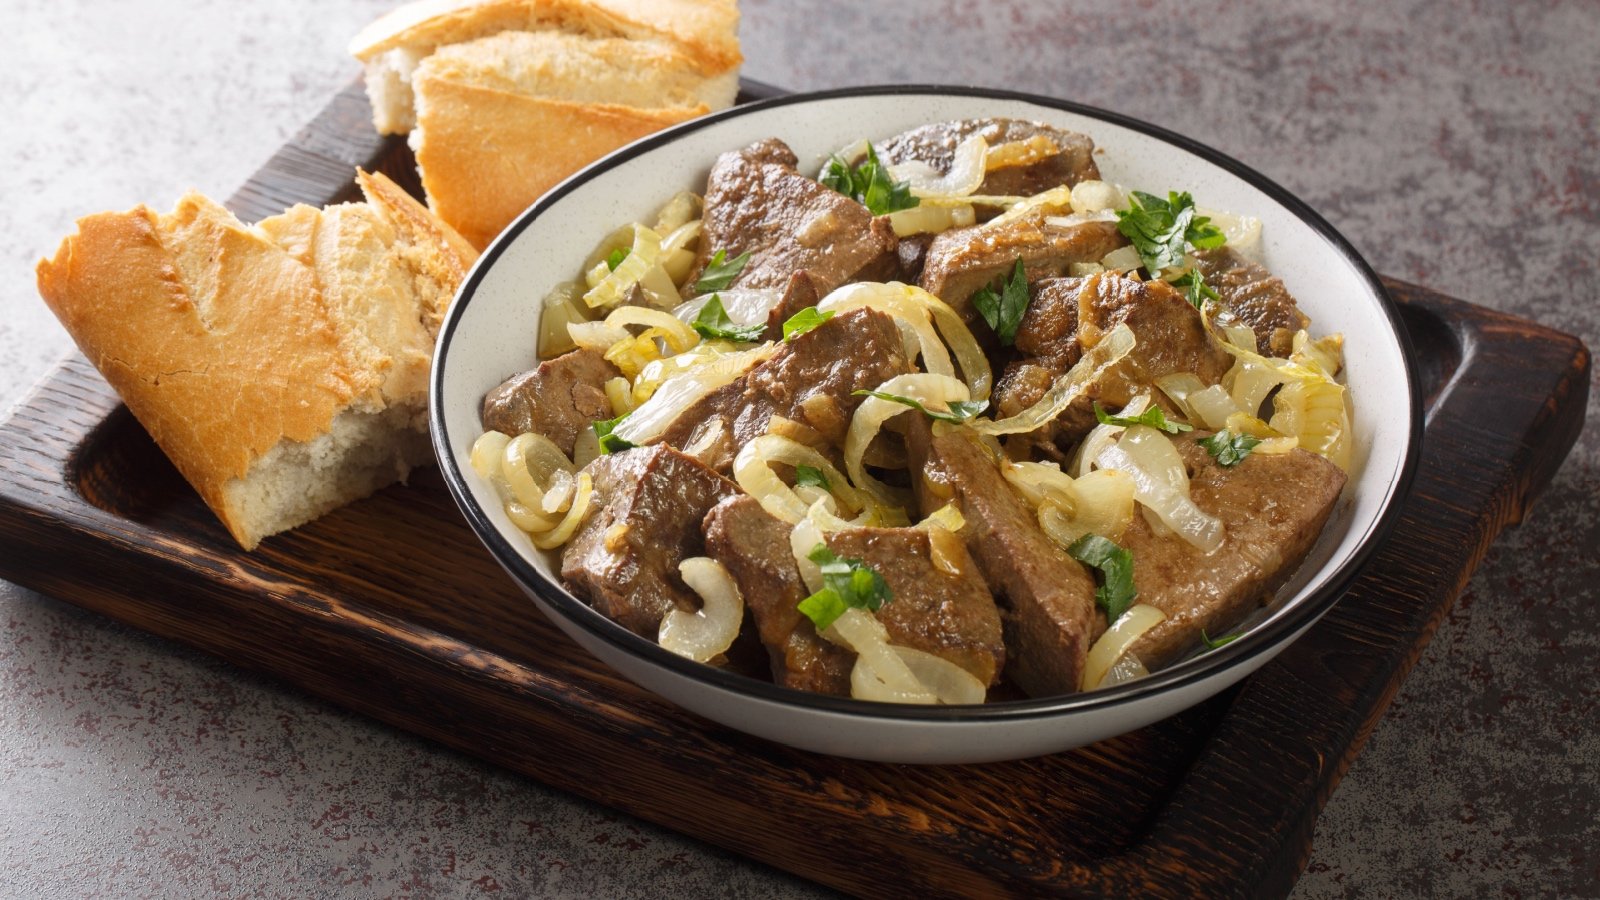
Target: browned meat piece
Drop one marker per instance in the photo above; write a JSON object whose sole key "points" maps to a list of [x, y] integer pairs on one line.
{"points": [[754, 547], [1256, 296], [801, 293], [559, 399], [1056, 156], [624, 559], [1273, 506], [1047, 598], [962, 260], [950, 616], [810, 380], [757, 202], [1066, 316], [913, 253]]}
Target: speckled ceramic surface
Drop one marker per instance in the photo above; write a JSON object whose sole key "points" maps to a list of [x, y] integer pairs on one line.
{"points": [[484, 338], [1451, 141]]}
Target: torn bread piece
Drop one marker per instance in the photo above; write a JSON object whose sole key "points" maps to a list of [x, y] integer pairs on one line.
{"points": [[282, 367], [504, 98]]}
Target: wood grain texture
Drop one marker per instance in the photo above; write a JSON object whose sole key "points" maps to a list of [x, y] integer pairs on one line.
{"points": [[390, 607]]}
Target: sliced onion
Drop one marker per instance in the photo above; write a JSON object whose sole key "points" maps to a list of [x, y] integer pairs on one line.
{"points": [[744, 306], [1073, 220], [708, 633], [595, 335], [1093, 196], [949, 683], [1250, 381], [916, 307], [683, 209], [1102, 435], [966, 172], [804, 538], [619, 393], [581, 501], [1058, 199], [678, 393], [486, 454], [935, 391], [1315, 413], [528, 462], [586, 449], [561, 308], [529, 520], [679, 337], [1243, 232], [850, 153], [1037, 481], [927, 218], [613, 288], [1025, 152], [656, 373], [1128, 668], [1122, 259], [1110, 647], [1115, 345], [753, 470], [1178, 386], [1103, 504], [1158, 487], [1213, 406]]}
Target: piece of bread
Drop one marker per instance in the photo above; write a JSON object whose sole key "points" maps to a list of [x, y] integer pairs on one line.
{"points": [[282, 367], [504, 98]]}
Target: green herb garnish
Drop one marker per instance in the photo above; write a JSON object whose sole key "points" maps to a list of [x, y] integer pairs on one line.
{"points": [[869, 184], [1160, 229], [1229, 449], [1195, 289], [1152, 417], [720, 271], [810, 475], [616, 257], [958, 410], [1004, 309], [1116, 591], [610, 443], [802, 322], [1219, 642], [713, 323], [846, 584]]}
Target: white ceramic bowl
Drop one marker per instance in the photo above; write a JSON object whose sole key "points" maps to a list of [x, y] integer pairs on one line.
{"points": [[489, 335]]}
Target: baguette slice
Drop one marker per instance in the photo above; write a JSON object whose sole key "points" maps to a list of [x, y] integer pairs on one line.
{"points": [[282, 368], [392, 47], [502, 119]]}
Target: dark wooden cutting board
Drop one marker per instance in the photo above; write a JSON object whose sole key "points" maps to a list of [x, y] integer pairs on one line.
{"points": [[390, 607]]}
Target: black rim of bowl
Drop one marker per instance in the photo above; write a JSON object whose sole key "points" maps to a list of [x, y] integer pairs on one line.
{"points": [[1269, 632]]}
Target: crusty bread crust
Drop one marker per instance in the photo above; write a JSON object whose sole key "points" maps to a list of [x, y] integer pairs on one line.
{"points": [[704, 29], [175, 312], [249, 352], [486, 154]]}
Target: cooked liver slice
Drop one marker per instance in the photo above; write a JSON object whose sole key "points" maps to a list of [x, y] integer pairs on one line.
{"points": [[1256, 296], [757, 202], [1067, 315], [624, 559], [962, 260], [951, 616], [810, 380], [1274, 507], [559, 399], [935, 145], [754, 547], [1047, 598]]}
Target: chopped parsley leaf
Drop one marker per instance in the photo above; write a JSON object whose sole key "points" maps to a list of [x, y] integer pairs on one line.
{"points": [[610, 443], [869, 184], [713, 323], [846, 584], [1195, 289], [720, 271], [1219, 642], [1152, 417], [1160, 229], [1229, 449], [802, 322], [616, 257], [958, 410], [1003, 310], [810, 475], [1116, 591]]}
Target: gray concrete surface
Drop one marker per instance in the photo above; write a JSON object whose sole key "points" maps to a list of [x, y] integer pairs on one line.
{"points": [[1453, 143]]}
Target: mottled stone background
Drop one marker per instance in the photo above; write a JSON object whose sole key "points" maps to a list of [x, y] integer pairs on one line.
{"points": [[1453, 143]]}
